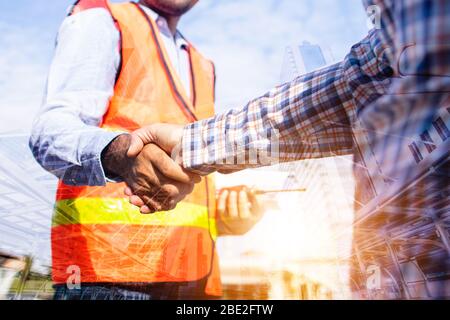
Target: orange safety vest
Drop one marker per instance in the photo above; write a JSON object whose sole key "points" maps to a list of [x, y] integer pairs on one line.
{"points": [[95, 230]]}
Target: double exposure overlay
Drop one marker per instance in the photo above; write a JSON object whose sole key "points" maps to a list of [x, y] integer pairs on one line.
{"points": [[254, 150]]}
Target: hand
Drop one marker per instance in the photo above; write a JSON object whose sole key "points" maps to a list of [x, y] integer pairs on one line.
{"points": [[166, 136], [155, 182], [238, 211]]}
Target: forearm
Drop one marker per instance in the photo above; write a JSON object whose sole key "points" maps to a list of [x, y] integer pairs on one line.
{"points": [[298, 120], [311, 117]]}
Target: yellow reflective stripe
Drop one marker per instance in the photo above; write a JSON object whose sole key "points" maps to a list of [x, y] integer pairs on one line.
{"points": [[120, 211]]}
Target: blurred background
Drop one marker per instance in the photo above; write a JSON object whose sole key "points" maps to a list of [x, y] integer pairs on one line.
{"points": [[300, 249]]}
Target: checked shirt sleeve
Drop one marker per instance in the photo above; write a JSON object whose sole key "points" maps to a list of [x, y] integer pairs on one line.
{"points": [[310, 117]]}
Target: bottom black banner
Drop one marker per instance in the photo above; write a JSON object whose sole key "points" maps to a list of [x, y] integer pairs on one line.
{"points": [[226, 309]]}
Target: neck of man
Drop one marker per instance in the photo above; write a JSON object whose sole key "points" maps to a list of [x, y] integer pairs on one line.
{"points": [[172, 21]]}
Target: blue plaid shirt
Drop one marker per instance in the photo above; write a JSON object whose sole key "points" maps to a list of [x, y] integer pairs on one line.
{"points": [[388, 105], [387, 101]]}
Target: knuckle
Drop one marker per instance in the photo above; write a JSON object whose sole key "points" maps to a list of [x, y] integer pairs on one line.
{"points": [[168, 204], [172, 204], [171, 191], [190, 187]]}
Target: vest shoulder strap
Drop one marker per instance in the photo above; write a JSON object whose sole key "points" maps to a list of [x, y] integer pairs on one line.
{"points": [[83, 5]]}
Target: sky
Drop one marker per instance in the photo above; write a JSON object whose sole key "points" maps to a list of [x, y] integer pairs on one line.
{"points": [[247, 40]]}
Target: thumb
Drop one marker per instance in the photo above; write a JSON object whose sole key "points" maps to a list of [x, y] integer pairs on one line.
{"points": [[164, 135], [136, 145]]}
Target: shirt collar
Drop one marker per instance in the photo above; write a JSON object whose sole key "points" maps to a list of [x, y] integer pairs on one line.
{"points": [[161, 22]]}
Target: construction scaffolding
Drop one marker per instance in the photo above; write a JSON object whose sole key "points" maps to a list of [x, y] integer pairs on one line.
{"points": [[406, 239]]}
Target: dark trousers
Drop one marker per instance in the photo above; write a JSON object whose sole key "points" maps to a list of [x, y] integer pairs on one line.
{"points": [[136, 291]]}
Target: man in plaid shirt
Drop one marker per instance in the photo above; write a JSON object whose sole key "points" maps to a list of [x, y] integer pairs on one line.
{"points": [[388, 104]]}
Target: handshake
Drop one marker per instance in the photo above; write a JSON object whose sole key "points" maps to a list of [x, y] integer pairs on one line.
{"points": [[157, 182]]}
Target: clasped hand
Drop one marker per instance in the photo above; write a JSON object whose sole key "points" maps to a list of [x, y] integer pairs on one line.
{"points": [[155, 182]]}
